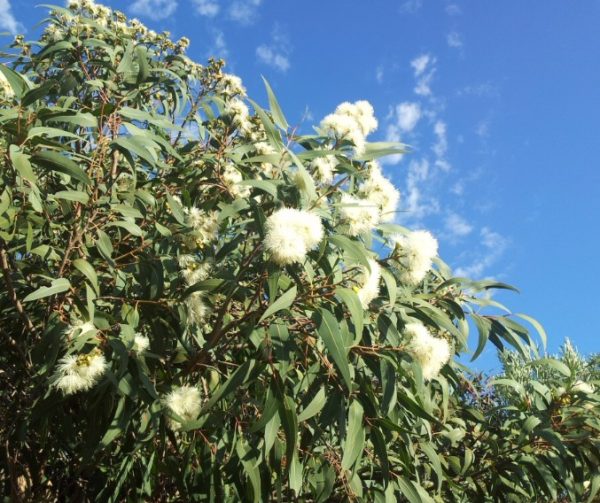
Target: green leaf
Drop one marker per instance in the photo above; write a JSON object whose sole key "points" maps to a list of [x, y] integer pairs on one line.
{"points": [[314, 407], [355, 436], [352, 249], [356, 310], [22, 165], [85, 268], [59, 285], [275, 109], [329, 331], [281, 303], [58, 162], [537, 325], [381, 149], [236, 379], [51, 132], [18, 84], [72, 195]]}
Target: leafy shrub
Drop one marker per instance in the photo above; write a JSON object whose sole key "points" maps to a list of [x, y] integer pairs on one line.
{"points": [[199, 303]]}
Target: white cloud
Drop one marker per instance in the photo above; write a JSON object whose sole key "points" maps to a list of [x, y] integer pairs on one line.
{"points": [[482, 90], [494, 245], [453, 10], [208, 8], [457, 226], [379, 74], [424, 69], [244, 11], [417, 202], [411, 6], [218, 48], [407, 116], [8, 20], [275, 54], [440, 147], [455, 40], [153, 9], [420, 63], [483, 128]]}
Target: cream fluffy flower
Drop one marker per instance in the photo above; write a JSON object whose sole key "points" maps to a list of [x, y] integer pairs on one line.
{"points": [[6, 90], [323, 167], [240, 115], [184, 402], [380, 191], [361, 215], [204, 225], [344, 127], [415, 253], [291, 233], [370, 283], [140, 343], [362, 113], [79, 372], [231, 85], [432, 353], [197, 310], [193, 270], [232, 178]]}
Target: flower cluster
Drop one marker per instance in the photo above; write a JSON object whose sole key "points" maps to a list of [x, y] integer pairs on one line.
{"points": [[415, 252], [6, 90], [430, 352], [192, 269], [323, 168], [205, 226], [380, 191], [351, 122], [370, 283], [184, 402], [232, 178], [291, 233], [140, 343], [79, 372], [361, 215]]}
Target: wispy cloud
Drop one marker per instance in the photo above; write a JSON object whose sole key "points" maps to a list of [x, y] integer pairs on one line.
{"points": [[153, 9], [456, 226], [424, 69], [276, 53], [8, 20], [403, 118], [207, 8], [218, 48], [493, 247], [379, 74], [440, 147], [455, 40], [480, 90], [411, 6], [244, 11], [453, 10]]}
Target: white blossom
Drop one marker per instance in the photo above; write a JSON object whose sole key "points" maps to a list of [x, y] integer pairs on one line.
{"points": [[291, 233], [232, 178], [6, 90], [240, 115], [184, 402], [323, 168], [362, 113], [430, 352], [140, 343], [205, 226], [231, 85], [370, 283], [344, 127], [361, 215], [265, 148], [415, 252], [197, 310], [79, 372], [380, 191], [192, 269]]}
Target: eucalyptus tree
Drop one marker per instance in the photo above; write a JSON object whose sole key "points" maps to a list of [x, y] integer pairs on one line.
{"points": [[200, 303]]}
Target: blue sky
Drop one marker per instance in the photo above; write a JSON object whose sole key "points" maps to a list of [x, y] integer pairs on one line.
{"points": [[499, 101]]}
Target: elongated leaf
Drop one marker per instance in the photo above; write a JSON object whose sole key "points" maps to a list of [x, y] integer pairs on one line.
{"points": [[314, 407], [329, 331], [356, 310], [72, 195], [276, 112], [85, 268], [282, 302], [58, 162], [57, 286], [355, 435]]}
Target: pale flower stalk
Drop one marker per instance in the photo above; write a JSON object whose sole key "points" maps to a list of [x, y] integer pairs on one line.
{"points": [[291, 233], [184, 402], [431, 353]]}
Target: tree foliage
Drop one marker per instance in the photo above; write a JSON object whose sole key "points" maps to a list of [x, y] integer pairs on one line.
{"points": [[199, 303]]}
